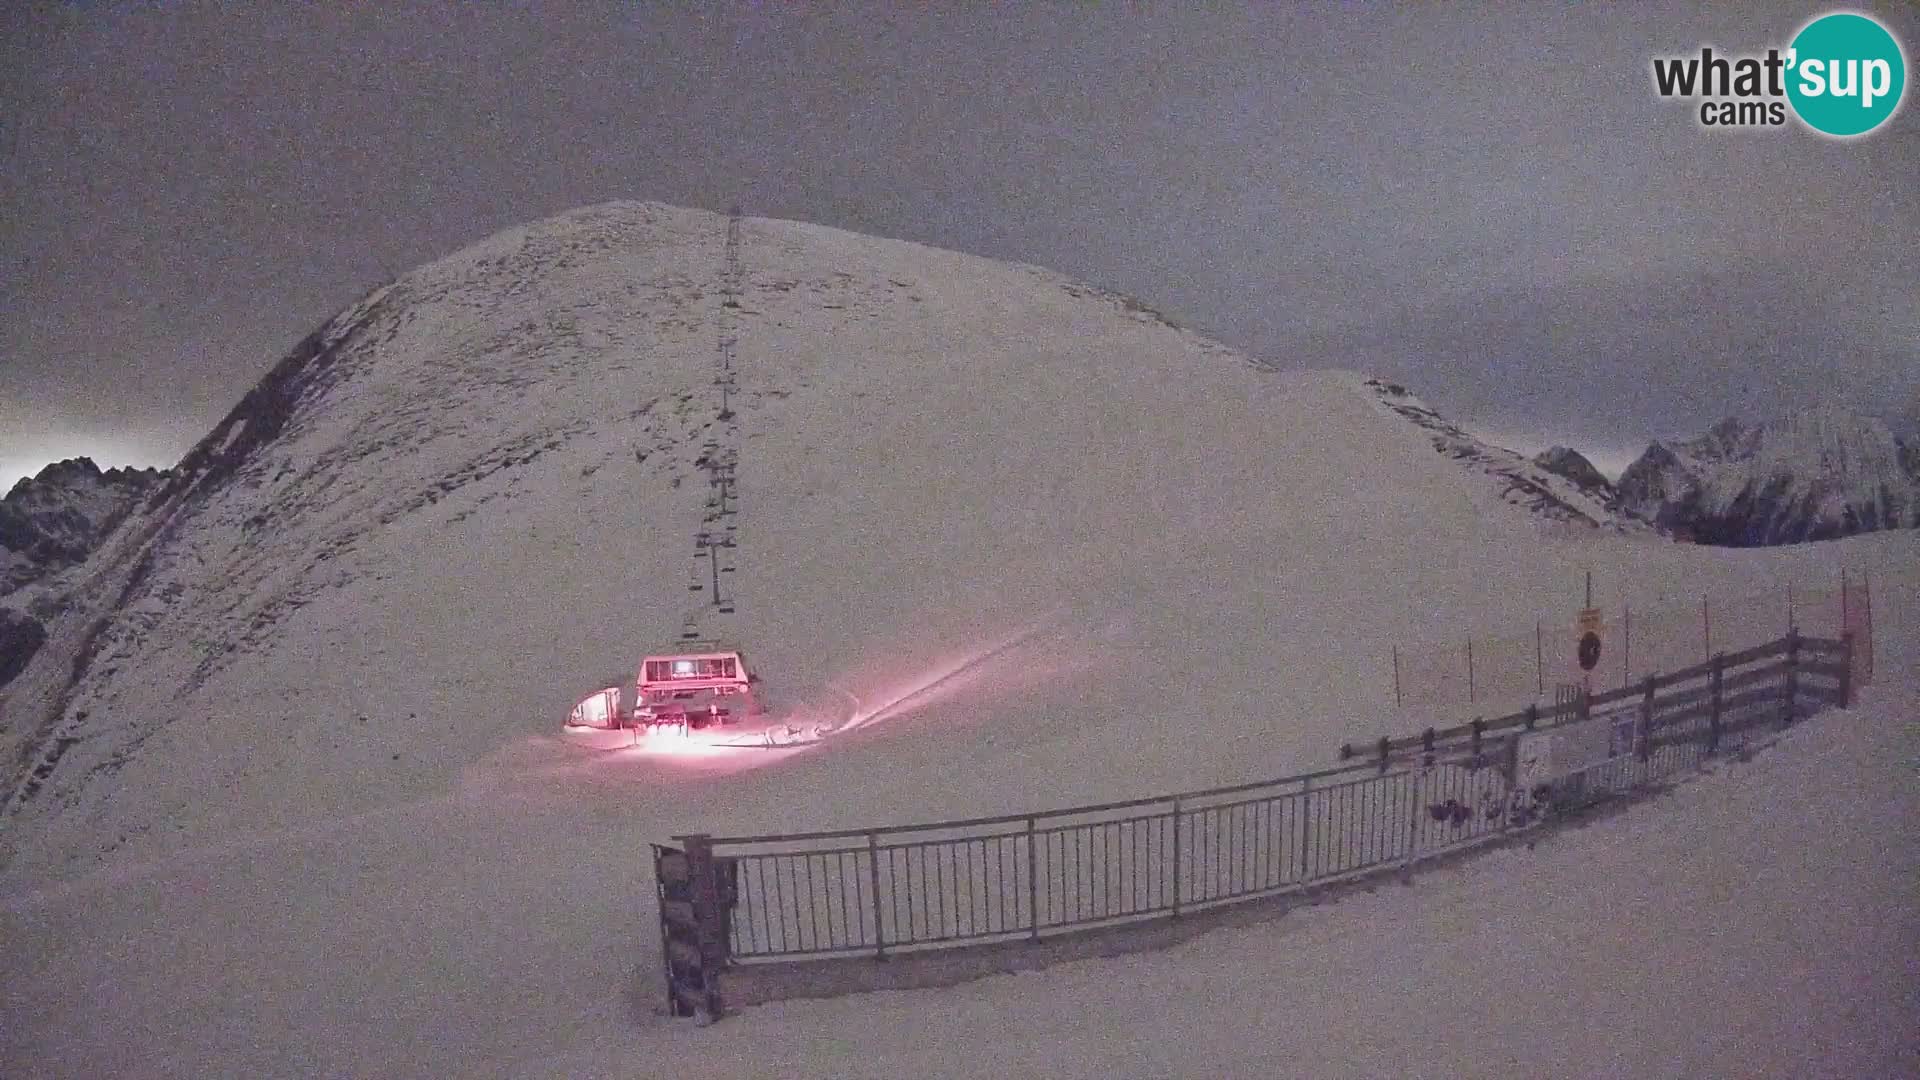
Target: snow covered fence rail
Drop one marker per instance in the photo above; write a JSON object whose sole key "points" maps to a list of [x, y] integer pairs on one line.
{"points": [[755, 902]]}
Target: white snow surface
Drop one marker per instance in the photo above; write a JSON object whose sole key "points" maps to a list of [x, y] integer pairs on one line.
{"points": [[319, 820]]}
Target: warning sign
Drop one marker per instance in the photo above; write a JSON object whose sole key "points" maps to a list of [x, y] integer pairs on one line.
{"points": [[1587, 643], [1589, 651]]}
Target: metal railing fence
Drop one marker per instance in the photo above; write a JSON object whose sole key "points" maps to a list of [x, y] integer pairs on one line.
{"points": [[1008, 878]]}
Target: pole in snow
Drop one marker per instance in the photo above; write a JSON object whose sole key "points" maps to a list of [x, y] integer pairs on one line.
{"points": [[1539, 663], [1706, 626], [1396, 676]]}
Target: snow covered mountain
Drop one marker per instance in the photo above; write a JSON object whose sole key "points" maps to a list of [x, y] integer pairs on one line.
{"points": [[1571, 464], [486, 481], [54, 520], [1815, 475], [284, 790], [1553, 485]]}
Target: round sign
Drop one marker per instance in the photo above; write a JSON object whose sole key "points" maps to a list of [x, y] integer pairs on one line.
{"points": [[1589, 650]]}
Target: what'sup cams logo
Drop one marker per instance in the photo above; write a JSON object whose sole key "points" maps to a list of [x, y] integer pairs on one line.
{"points": [[1844, 75]]}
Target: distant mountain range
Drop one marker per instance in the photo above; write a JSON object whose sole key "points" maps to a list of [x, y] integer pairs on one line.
{"points": [[1815, 475]]}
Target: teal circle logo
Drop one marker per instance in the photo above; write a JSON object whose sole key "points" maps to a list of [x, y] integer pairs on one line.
{"points": [[1846, 74]]}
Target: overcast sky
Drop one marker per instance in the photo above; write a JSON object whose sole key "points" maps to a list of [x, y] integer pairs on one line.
{"points": [[1485, 201]]}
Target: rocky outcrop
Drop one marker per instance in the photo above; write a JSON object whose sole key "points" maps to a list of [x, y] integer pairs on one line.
{"points": [[1571, 464], [54, 520]]}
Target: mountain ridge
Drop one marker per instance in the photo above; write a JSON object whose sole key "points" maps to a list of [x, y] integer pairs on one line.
{"points": [[1818, 474]]}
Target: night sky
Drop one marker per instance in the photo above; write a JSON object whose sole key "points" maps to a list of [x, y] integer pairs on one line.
{"points": [[1485, 201]]}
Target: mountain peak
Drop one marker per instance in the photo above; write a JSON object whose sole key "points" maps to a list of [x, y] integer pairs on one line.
{"points": [[1573, 465], [536, 459], [1815, 474], [54, 519]]}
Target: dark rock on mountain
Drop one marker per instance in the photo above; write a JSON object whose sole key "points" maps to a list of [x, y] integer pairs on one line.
{"points": [[55, 520], [21, 636], [1572, 465]]}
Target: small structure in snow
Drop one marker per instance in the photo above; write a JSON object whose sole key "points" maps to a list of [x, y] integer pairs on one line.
{"points": [[706, 685]]}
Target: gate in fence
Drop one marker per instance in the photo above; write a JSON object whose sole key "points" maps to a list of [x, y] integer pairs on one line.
{"points": [[886, 891]]}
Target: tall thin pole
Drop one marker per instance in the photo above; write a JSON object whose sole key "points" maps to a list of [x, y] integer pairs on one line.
{"points": [[1539, 663], [1706, 626], [1469, 669], [1589, 588]]}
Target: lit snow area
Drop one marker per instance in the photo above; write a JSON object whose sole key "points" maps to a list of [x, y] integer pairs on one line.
{"points": [[1028, 547]]}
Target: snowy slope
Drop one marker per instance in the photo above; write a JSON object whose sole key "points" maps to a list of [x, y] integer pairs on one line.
{"points": [[1551, 485], [473, 497], [1811, 476], [306, 810], [1757, 923]]}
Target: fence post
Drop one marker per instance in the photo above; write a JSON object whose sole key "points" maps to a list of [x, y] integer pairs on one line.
{"points": [[1415, 778], [704, 890], [1426, 748], [1033, 880], [1306, 833], [1176, 858], [1866, 610], [1713, 716], [1626, 645], [1644, 751], [1846, 668], [1386, 748], [1511, 767], [873, 885], [1396, 676], [1793, 674]]}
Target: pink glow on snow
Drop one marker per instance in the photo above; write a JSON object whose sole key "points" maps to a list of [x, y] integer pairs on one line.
{"points": [[989, 672]]}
